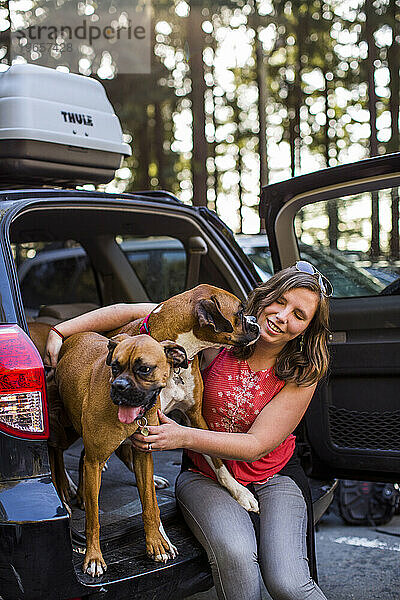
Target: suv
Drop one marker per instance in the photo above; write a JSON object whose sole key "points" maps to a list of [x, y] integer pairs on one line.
{"points": [[65, 251]]}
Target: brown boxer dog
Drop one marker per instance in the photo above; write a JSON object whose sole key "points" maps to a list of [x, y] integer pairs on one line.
{"points": [[104, 412], [203, 317]]}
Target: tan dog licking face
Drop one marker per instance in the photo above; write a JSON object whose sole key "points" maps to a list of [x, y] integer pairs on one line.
{"points": [[140, 368], [223, 316]]}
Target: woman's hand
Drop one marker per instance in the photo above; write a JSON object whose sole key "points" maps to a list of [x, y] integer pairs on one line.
{"points": [[53, 347], [166, 436]]}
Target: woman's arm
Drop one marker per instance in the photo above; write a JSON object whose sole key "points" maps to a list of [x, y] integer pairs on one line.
{"points": [[106, 318], [274, 423]]}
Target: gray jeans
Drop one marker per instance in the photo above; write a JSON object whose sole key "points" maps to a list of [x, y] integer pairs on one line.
{"points": [[239, 564]]}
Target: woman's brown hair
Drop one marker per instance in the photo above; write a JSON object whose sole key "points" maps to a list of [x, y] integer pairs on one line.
{"points": [[306, 362]]}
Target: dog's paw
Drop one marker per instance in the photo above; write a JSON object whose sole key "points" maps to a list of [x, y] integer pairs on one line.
{"points": [[171, 553], [159, 546], [166, 554], [247, 500], [94, 565], [237, 490], [173, 550], [160, 482]]}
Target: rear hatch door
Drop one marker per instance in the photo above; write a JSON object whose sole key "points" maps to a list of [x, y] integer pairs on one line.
{"points": [[345, 221]]}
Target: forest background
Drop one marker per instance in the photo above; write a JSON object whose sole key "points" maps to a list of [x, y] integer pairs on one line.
{"points": [[242, 94]]}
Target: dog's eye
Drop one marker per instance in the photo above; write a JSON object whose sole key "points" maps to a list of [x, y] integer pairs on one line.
{"points": [[143, 370]]}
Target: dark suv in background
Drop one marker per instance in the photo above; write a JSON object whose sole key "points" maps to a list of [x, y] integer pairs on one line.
{"points": [[65, 251]]}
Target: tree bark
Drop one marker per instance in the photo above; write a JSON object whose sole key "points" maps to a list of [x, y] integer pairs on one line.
{"points": [[394, 142], [373, 141], [159, 144], [332, 211], [240, 189], [143, 182], [262, 103], [195, 40]]}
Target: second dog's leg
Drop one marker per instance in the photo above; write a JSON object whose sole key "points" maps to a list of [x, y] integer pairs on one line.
{"points": [[125, 454], [158, 546], [60, 476], [236, 489], [80, 491]]}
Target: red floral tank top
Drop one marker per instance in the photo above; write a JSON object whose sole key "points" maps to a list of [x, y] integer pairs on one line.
{"points": [[233, 397]]}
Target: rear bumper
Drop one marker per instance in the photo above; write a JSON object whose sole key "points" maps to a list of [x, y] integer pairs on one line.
{"points": [[35, 542], [37, 559]]}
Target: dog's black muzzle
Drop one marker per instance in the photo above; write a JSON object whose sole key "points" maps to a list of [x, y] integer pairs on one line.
{"points": [[251, 327], [124, 393]]}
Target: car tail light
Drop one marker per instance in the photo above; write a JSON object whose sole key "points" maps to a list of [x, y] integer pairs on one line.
{"points": [[23, 406]]}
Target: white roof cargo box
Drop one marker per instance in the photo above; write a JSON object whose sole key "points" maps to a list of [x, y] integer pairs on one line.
{"points": [[57, 127]]}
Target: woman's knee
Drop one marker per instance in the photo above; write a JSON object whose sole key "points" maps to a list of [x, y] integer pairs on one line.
{"points": [[285, 587], [233, 556]]}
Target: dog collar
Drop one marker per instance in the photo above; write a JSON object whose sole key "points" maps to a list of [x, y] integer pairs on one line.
{"points": [[144, 327]]}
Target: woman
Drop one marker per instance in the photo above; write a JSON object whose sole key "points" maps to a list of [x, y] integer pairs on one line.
{"points": [[253, 400]]}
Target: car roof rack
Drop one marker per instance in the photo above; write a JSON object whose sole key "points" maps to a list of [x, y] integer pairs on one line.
{"points": [[56, 128]]}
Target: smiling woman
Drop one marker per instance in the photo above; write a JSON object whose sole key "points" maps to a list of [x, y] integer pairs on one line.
{"points": [[254, 398], [291, 305]]}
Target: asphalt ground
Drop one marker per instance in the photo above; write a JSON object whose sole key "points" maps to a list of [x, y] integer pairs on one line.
{"points": [[354, 562]]}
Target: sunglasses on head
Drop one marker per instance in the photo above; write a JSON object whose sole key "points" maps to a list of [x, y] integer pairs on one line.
{"points": [[305, 267]]}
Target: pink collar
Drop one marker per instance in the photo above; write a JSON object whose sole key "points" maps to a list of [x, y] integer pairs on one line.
{"points": [[144, 326]]}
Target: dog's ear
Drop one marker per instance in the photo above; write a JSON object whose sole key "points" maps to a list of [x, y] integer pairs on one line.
{"points": [[112, 344], [175, 354], [209, 313]]}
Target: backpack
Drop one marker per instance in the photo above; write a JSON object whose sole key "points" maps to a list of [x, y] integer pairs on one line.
{"points": [[367, 502]]}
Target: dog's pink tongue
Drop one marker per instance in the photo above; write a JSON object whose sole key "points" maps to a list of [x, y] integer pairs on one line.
{"points": [[127, 414]]}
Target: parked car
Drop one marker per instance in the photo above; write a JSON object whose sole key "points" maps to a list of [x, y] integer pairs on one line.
{"points": [[65, 250], [351, 279]]}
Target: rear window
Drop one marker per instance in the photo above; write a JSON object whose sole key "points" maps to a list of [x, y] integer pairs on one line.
{"points": [[158, 261], [52, 273]]}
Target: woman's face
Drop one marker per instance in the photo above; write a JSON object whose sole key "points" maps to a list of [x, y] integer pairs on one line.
{"points": [[288, 316]]}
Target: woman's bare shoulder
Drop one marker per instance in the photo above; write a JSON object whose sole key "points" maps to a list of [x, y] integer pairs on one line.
{"points": [[207, 356]]}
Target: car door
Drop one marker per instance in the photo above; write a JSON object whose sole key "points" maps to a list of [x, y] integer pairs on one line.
{"points": [[345, 219]]}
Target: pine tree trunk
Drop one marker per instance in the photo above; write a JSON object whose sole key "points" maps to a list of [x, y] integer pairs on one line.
{"points": [[332, 211], [159, 144], [292, 136], [5, 36], [240, 189], [373, 141], [394, 234], [195, 40], [394, 142], [143, 181], [262, 103]]}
